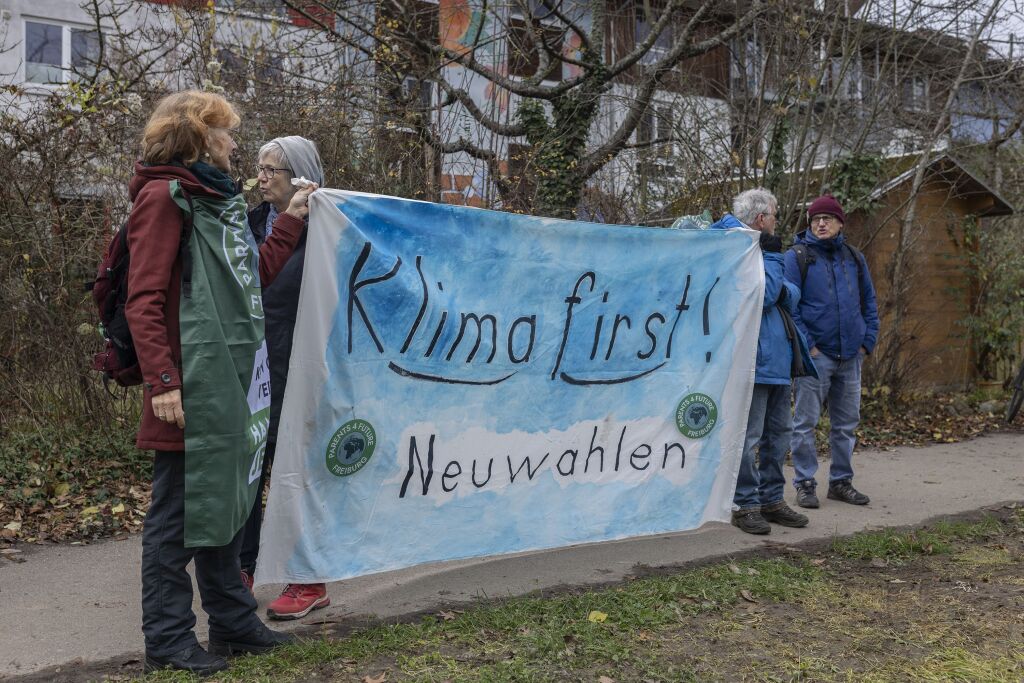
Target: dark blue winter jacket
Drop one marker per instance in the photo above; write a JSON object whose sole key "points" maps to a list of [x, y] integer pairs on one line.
{"points": [[837, 312], [774, 348]]}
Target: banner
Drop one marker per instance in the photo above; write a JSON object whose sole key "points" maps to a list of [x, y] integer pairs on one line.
{"points": [[467, 382], [224, 370]]}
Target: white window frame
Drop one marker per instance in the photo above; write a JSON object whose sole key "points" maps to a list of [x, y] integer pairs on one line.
{"points": [[66, 67]]}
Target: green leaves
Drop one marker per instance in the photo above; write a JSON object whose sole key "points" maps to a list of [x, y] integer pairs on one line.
{"points": [[854, 178]]}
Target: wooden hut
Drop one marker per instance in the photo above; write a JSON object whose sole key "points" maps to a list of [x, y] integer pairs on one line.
{"points": [[924, 299]]}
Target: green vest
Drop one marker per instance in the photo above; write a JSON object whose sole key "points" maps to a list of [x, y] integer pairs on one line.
{"points": [[225, 376]]}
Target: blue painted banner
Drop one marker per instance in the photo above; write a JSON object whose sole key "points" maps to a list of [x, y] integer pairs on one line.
{"points": [[467, 382]]}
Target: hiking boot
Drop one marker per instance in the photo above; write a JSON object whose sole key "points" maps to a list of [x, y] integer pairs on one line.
{"points": [[247, 579], [844, 491], [297, 600], [193, 659], [257, 641], [805, 495], [783, 515], [750, 521]]}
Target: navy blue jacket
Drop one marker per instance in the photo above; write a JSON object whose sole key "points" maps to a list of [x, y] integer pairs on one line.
{"points": [[837, 312], [774, 349], [280, 305]]}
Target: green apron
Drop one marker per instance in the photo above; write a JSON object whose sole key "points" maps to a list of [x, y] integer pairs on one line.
{"points": [[225, 376]]}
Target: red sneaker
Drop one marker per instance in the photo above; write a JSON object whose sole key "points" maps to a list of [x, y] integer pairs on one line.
{"points": [[247, 580], [297, 600]]}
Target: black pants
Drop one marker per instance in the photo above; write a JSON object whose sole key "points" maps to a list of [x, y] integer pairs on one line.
{"points": [[167, 618], [251, 531]]}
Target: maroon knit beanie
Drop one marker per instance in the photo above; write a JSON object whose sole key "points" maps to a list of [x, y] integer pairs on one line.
{"points": [[827, 205]]}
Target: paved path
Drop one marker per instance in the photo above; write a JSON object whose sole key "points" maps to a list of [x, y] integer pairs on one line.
{"points": [[67, 603]]}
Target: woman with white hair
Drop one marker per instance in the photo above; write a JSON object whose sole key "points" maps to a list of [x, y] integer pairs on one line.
{"points": [[278, 162]]}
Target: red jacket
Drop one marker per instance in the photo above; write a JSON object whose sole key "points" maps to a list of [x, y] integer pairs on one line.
{"points": [[154, 286]]}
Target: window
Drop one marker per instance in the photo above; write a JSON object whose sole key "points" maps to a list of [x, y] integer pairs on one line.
{"points": [[644, 24], [749, 149], [418, 93], [415, 26], [915, 93], [268, 69], [848, 77], [655, 125], [541, 10], [524, 48], [56, 53], [234, 74], [747, 65]]}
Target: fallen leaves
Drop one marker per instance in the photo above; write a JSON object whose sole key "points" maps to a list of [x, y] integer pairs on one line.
{"points": [[919, 420], [747, 595], [376, 679], [597, 617]]}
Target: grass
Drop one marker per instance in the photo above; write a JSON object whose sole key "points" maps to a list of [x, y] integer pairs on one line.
{"points": [[830, 617], [897, 547]]}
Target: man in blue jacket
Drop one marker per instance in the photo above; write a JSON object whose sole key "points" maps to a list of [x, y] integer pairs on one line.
{"points": [[838, 316], [781, 354]]}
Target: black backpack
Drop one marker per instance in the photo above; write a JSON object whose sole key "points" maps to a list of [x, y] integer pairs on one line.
{"points": [[118, 361]]}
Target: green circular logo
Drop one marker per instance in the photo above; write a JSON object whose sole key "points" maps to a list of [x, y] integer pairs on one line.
{"points": [[696, 415], [351, 447]]}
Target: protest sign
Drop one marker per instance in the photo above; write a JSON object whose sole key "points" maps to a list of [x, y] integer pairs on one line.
{"points": [[467, 382]]}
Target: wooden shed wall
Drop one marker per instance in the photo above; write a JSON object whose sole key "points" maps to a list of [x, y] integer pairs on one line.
{"points": [[939, 352]]}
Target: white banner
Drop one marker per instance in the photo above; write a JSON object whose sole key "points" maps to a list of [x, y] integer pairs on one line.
{"points": [[467, 382]]}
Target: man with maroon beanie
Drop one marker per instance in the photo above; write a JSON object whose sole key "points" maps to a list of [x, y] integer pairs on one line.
{"points": [[838, 316]]}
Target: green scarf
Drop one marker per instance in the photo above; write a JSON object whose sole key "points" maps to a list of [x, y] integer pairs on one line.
{"points": [[226, 380]]}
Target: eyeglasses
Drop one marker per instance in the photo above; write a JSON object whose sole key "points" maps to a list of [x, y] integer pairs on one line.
{"points": [[270, 171], [826, 218]]}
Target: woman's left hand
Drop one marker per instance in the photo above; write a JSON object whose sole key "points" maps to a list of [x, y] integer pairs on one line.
{"points": [[299, 204], [168, 407]]}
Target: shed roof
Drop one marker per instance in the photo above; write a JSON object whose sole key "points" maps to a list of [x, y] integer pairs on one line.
{"points": [[964, 183]]}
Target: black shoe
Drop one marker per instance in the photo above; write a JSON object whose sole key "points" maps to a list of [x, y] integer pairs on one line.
{"points": [[193, 659], [805, 495], [844, 491], [750, 521], [257, 641], [783, 515]]}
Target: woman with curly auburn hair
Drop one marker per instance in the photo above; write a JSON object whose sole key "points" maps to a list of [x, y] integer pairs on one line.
{"points": [[195, 311]]}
